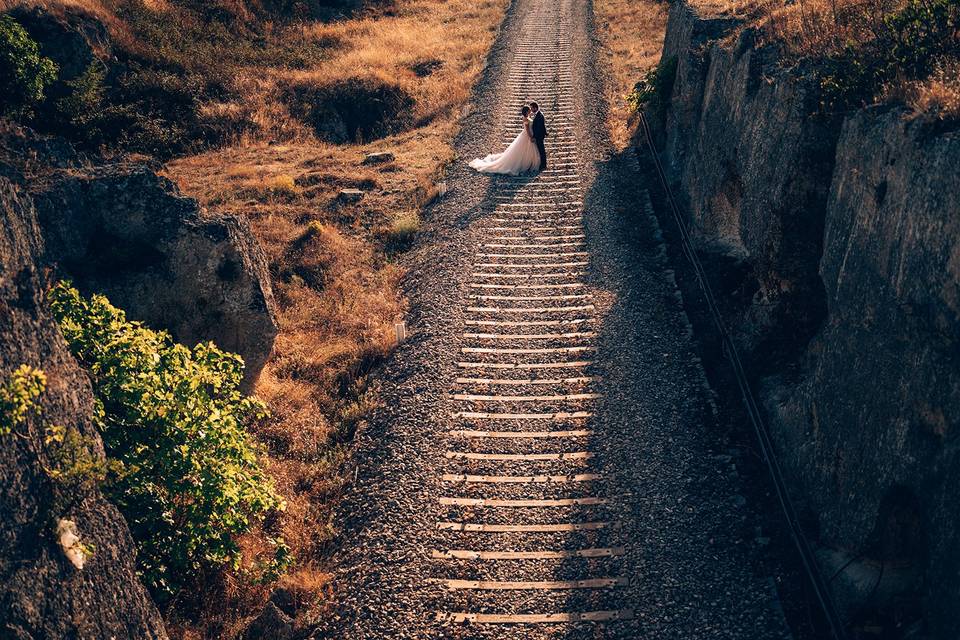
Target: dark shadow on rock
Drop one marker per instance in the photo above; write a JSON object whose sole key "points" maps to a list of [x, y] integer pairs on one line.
{"points": [[42, 594], [118, 228]]}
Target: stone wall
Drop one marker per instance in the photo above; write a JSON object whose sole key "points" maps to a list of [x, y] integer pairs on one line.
{"points": [[835, 243]]}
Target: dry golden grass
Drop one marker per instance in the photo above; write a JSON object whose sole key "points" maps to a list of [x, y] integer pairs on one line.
{"points": [[334, 280], [632, 35], [937, 96], [456, 38], [733, 8], [449, 39], [816, 28]]}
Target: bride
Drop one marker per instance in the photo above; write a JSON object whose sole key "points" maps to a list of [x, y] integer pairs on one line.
{"points": [[521, 156]]}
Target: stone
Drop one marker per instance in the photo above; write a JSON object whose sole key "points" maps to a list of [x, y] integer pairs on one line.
{"points": [[120, 229], [271, 624], [350, 195], [43, 593], [380, 157]]}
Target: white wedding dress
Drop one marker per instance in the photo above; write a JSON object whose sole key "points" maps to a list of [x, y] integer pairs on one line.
{"points": [[521, 156]]}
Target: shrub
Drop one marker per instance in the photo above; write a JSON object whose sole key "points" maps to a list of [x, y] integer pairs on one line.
{"points": [[887, 44], [24, 73], [155, 111], [79, 111], [18, 396], [281, 187], [653, 91], [401, 233], [173, 419]]}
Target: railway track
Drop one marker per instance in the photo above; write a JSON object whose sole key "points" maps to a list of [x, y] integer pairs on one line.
{"points": [[525, 499], [543, 465]]}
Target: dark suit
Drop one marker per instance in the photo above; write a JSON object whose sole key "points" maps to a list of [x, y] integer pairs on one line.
{"points": [[539, 133]]}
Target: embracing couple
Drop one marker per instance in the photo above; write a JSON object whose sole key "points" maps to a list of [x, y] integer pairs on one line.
{"points": [[525, 153]]}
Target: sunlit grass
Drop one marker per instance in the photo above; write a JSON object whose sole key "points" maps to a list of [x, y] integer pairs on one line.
{"points": [[631, 32]]}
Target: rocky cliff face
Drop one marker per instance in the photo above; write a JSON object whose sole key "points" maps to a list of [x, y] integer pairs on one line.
{"points": [[754, 168], [42, 593], [119, 229], [837, 247]]}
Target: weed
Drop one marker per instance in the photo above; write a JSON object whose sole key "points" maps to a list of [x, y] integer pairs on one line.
{"points": [[18, 396], [653, 91]]}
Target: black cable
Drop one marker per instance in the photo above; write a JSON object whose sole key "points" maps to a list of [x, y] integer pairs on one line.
{"points": [[756, 418]]}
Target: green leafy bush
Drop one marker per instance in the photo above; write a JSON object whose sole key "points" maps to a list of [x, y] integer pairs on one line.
{"points": [[18, 396], [653, 91], [24, 73], [903, 43], [174, 419]]}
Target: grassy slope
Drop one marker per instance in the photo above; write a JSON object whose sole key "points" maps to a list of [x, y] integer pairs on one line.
{"points": [[335, 282], [631, 33]]}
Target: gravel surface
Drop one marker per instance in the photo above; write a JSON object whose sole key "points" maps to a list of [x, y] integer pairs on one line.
{"points": [[676, 538]]}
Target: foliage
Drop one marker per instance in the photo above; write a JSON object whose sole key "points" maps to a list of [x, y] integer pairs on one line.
{"points": [[904, 42], [153, 111], [18, 396], [74, 463], [653, 91], [80, 108], [174, 419], [24, 73], [277, 566], [76, 466]]}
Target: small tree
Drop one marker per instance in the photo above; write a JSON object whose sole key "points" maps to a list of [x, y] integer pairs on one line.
{"points": [[24, 73]]}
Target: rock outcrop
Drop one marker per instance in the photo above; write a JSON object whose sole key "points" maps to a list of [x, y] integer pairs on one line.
{"points": [[838, 239], [869, 430], [120, 229], [42, 592], [754, 167]]}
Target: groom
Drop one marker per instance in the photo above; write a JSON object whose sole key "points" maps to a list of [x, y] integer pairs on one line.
{"points": [[539, 133]]}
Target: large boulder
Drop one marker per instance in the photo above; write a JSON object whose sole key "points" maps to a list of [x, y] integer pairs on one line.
{"points": [[42, 592], [120, 229]]}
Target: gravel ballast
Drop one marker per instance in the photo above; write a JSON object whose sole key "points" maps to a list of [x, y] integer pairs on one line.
{"points": [[676, 537]]}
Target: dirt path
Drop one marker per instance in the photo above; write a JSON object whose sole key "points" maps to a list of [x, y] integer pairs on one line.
{"points": [[545, 465]]}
